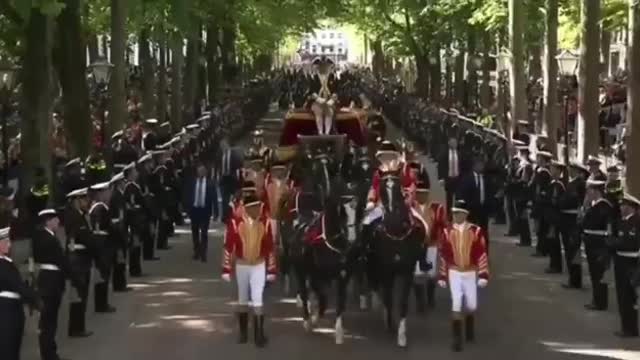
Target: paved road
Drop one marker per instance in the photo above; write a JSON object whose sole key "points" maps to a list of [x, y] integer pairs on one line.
{"points": [[183, 311]]}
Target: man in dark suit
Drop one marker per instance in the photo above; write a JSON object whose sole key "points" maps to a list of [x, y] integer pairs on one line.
{"points": [[450, 169], [227, 170], [474, 188], [200, 202]]}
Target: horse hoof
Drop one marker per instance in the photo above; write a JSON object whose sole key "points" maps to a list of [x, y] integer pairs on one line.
{"points": [[339, 332], [402, 333], [314, 319], [307, 326], [299, 302], [363, 302]]}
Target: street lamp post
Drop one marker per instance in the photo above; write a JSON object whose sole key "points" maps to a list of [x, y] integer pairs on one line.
{"points": [[8, 72], [101, 70], [568, 65]]}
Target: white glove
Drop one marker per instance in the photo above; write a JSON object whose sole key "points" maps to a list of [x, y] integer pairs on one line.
{"points": [[370, 206], [442, 284], [226, 277], [271, 278], [483, 282]]}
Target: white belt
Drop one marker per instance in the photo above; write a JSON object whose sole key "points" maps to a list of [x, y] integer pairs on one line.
{"points": [[49, 267], [115, 221], [100, 232], [572, 211], [78, 247], [629, 254], [10, 295], [596, 232]]}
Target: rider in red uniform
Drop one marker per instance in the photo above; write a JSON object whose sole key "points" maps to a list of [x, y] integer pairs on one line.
{"points": [[390, 160]]}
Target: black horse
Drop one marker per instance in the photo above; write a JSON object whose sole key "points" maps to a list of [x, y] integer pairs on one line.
{"points": [[396, 245]]}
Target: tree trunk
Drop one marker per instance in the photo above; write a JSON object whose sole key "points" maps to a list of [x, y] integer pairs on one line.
{"points": [[588, 127], [228, 54], [517, 79], [550, 123], [422, 82], [118, 100], [633, 102], [36, 100], [71, 65], [146, 61], [213, 71], [177, 57], [161, 106], [448, 82], [377, 61], [471, 95], [458, 71], [190, 77], [485, 87], [92, 47], [435, 77], [605, 49], [535, 64]]}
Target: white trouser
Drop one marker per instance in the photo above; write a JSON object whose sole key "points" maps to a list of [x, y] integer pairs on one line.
{"points": [[251, 280], [463, 285], [323, 111], [372, 215], [432, 258]]}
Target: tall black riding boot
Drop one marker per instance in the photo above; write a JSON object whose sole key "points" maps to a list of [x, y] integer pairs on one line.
{"points": [[101, 298], [457, 335], [431, 293], [602, 297], [469, 328], [243, 325], [258, 331], [119, 279]]}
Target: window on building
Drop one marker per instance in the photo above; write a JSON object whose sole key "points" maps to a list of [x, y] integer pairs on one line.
{"points": [[339, 50], [313, 49], [331, 35], [323, 36], [307, 44]]}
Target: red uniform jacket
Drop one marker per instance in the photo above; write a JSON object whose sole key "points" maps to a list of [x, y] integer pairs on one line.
{"points": [[237, 210], [408, 183], [464, 251], [435, 215], [249, 243]]}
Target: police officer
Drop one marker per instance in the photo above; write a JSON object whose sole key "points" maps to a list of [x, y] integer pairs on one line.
{"points": [[613, 188], [81, 255], [554, 212], [54, 271], [14, 293], [597, 229], [119, 235], [150, 206], [160, 187], [594, 169], [627, 249], [101, 237]]}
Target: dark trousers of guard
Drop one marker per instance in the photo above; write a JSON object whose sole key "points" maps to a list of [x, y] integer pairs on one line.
{"points": [[554, 248], [624, 268], [81, 264], [597, 254], [512, 218], [48, 325], [135, 252], [523, 223], [119, 260], [162, 234], [542, 232], [11, 328], [571, 243], [149, 241], [101, 287]]}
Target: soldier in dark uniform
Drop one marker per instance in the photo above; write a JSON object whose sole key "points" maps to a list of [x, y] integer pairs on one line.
{"points": [[14, 294], [123, 152], [597, 229], [627, 249], [119, 235], [164, 132], [521, 196], [541, 191], [522, 132], [72, 176], [554, 211], [54, 271], [613, 188], [511, 185], [145, 169], [81, 256], [101, 237], [135, 219], [161, 188], [594, 169], [149, 136], [572, 210]]}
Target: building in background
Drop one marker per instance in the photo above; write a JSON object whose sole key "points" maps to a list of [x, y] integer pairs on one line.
{"points": [[328, 42]]}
